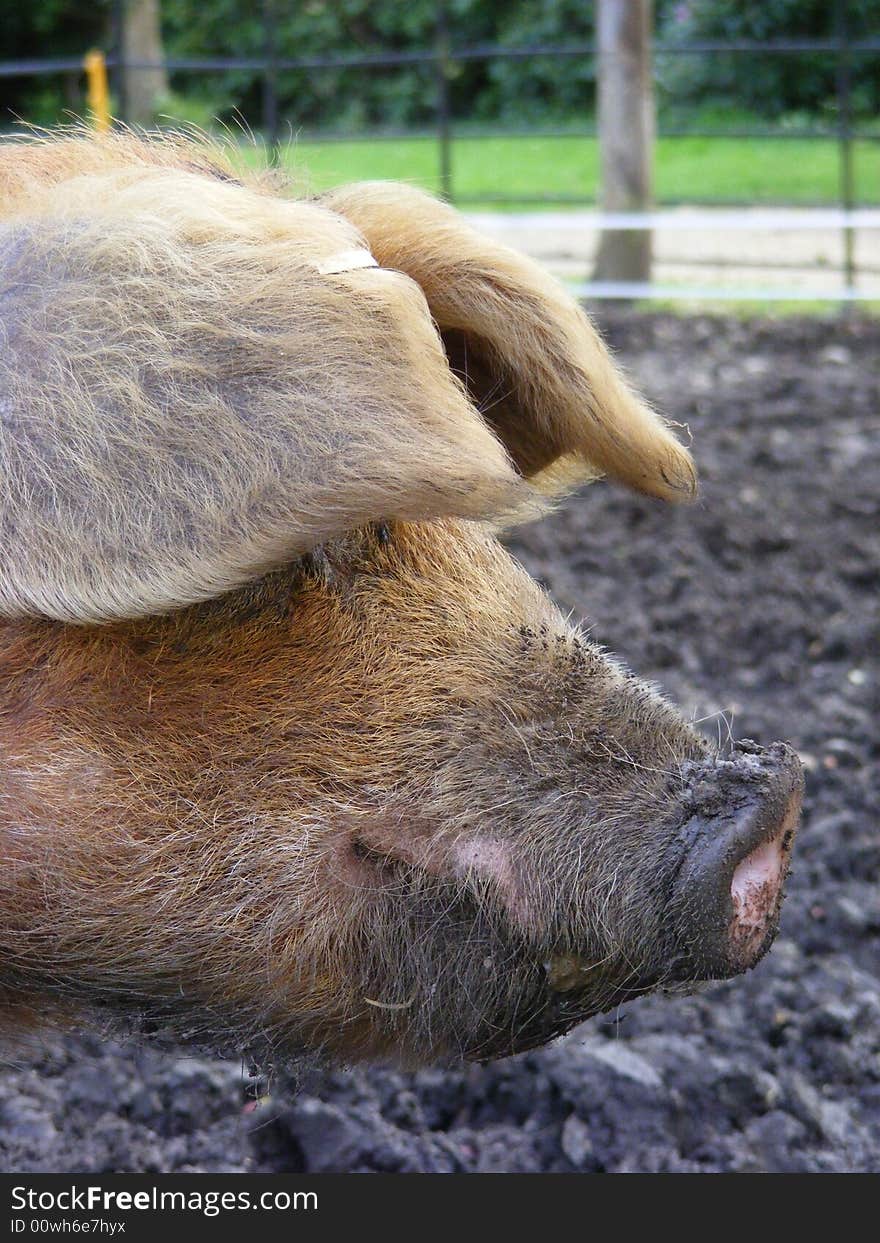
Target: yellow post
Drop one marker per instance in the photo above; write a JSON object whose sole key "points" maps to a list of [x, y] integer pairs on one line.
{"points": [[97, 94]]}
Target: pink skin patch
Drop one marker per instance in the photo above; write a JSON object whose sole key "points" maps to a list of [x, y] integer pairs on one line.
{"points": [[756, 888], [755, 891], [488, 859]]}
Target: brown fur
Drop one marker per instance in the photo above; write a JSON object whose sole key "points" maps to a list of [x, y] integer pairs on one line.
{"points": [[369, 802], [259, 801]]}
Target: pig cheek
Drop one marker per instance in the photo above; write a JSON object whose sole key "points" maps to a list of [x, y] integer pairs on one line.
{"points": [[484, 866], [370, 862], [488, 866]]}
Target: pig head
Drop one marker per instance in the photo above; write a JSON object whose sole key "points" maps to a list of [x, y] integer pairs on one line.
{"points": [[293, 756]]}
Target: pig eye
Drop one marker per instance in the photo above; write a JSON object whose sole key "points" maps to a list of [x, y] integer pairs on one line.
{"points": [[314, 563], [382, 866], [382, 532], [361, 850]]}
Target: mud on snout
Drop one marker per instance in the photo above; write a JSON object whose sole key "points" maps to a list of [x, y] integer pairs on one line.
{"points": [[734, 844]]}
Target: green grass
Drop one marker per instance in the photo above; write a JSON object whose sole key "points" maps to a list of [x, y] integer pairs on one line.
{"points": [[687, 169]]}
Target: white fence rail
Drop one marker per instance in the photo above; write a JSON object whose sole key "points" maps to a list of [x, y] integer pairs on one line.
{"points": [[757, 219], [799, 241]]}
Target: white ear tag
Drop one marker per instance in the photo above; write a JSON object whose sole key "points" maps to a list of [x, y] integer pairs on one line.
{"points": [[345, 261]]}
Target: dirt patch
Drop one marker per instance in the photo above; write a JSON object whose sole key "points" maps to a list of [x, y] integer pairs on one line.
{"points": [[761, 605]]}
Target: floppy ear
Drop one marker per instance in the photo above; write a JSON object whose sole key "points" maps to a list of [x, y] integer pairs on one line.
{"points": [[199, 382], [530, 358]]}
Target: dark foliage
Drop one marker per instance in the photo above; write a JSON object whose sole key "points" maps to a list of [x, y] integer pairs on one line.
{"points": [[524, 91]]}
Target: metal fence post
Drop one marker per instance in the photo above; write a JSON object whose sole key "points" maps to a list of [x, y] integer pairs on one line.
{"points": [[270, 80], [845, 138], [97, 96], [441, 68]]}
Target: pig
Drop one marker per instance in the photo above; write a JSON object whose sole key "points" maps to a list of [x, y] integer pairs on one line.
{"points": [[296, 759]]}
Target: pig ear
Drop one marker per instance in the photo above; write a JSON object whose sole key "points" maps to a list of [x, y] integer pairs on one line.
{"points": [[531, 360], [199, 383]]}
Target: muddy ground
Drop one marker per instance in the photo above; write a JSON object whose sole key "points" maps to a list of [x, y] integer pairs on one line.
{"points": [[761, 606]]}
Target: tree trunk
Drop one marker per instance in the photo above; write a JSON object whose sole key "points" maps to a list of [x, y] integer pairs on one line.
{"points": [[142, 41], [626, 134]]}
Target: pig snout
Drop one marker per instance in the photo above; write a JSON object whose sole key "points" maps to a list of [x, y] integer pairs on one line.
{"points": [[738, 840]]}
